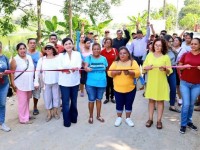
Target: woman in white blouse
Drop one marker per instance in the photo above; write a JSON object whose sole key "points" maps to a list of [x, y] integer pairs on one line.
{"points": [[69, 80], [22, 82], [50, 79]]}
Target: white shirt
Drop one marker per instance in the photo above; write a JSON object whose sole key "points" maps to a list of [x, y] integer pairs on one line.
{"points": [[73, 78], [25, 81], [49, 77], [186, 47], [180, 51]]}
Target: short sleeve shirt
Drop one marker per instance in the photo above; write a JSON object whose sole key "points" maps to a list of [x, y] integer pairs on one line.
{"points": [[97, 77], [191, 75]]}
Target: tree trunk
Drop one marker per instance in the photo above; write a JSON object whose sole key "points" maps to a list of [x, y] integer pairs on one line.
{"points": [[39, 34], [70, 18]]}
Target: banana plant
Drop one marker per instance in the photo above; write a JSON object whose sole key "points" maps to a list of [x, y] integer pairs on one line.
{"points": [[52, 26], [141, 19], [98, 27]]}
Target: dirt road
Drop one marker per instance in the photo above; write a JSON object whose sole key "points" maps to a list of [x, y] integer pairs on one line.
{"points": [[43, 135]]}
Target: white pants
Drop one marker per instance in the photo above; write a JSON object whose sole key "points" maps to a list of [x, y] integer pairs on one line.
{"points": [[51, 96]]}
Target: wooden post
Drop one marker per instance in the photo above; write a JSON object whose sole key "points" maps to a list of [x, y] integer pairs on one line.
{"points": [[39, 33]]}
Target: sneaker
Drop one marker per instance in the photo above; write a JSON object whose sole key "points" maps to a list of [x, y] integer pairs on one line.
{"points": [[182, 130], [118, 121], [192, 126], [180, 101], [113, 101], [106, 101], [82, 95], [5, 128], [129, 122]]}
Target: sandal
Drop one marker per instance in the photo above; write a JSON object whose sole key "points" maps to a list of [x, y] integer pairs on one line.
{"points": [[100, 119], [149, 123], [175, 110], [159, 125], [90, 121], [57, 117], [27, 122], [48, 118], [36, 112]]}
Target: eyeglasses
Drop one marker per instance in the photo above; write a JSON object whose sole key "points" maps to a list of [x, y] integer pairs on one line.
{"points": [[158, 46], [123, 53]]}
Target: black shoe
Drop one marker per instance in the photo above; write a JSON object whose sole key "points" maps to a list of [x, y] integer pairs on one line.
{"points": [[113, 101], [106, 101], [182, 130], [192, 126]]}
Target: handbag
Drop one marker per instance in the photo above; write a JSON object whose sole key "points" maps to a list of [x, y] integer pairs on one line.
{"points": [[10, 91], [23, 71], [40, 78]]}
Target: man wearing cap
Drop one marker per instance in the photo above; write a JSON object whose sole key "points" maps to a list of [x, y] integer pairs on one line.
{"points": [[35, 55], [90, 36], [106, 35], [139, 45], [54, 39], [121, 41]]}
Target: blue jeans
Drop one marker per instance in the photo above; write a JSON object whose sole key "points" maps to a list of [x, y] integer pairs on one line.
{"points": [[94, 93], [172, 85], [189, 93], [69, 104], [124, 99], [3, 95]]}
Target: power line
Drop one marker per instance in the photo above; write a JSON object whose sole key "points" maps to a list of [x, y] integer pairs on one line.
{"points": [[52, 4]]}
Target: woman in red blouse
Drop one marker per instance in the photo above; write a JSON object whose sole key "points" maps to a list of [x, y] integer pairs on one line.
{"points": [[190, 84], [111, 54]]}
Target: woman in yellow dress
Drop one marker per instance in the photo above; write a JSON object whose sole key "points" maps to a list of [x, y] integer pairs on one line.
{"points": [[157, 89]]}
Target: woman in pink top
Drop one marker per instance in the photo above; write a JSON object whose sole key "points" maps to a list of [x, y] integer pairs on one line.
{"points": [[86, 51]]}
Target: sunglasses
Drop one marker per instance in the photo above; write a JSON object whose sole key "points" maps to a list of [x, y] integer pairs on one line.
{"points": [[107, 32], [48, 48]]}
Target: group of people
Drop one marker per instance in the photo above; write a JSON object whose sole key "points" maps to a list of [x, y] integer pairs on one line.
{"points": [[168, 64]]}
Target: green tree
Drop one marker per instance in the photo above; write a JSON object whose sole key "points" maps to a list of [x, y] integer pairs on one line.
{"points": [[171, 12], [190, 12], [99, 9], [189, 21], [7, 9]]}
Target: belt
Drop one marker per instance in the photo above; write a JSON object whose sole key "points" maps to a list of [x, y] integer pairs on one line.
{"points": [[139, 57]]}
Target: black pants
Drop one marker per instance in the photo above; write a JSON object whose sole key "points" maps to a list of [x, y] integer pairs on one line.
{"points": [[109, 88], [138, 60]]}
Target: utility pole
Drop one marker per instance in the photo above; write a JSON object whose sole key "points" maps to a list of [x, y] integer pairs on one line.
{"points": [[70, 18], [148, 10], [164, 9], [39, 34], [177, 15]]}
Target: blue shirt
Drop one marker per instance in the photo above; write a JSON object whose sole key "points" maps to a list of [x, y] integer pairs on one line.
{"points": [[97, 77], [138, 46], [4, 65], [35, 57]]}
